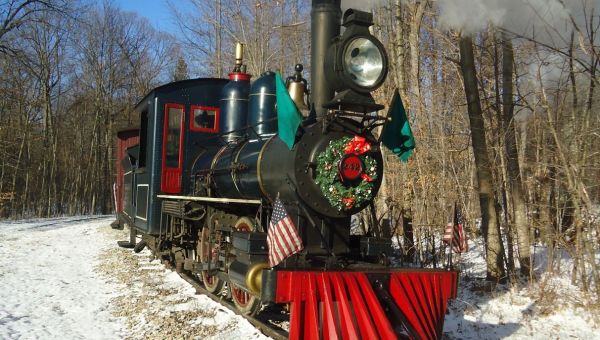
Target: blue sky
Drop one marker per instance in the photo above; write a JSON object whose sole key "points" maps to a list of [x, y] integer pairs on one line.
{"points": [[157, 11]]}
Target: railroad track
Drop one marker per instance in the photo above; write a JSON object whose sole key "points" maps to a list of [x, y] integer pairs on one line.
{"points": [[61, 222], [261, 322]]}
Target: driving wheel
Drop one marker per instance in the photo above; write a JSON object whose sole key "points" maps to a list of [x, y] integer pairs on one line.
{"points": [[210, 253], [245, 302]]}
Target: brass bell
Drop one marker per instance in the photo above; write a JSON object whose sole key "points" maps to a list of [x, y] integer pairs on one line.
{"points": [[297, 88]]}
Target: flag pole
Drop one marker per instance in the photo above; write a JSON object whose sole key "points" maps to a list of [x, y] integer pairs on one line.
{"points": [[308, 217], [451, 266]]}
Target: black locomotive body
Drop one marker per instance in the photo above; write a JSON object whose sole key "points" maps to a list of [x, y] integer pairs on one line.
{"points": [[199, 188]]}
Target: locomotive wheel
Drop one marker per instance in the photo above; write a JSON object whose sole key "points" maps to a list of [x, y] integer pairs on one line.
{"points": [[245, 302], [212, 283]]}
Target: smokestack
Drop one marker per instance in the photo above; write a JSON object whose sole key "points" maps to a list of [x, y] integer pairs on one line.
{"points": [[325, 23]]}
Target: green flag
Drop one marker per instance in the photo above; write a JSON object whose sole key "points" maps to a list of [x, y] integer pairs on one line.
{"points": [[288, 117], [396, 134]]}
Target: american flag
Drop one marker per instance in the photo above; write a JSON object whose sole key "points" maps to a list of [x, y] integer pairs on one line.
{"points": [[454, 234], [282, 237]]}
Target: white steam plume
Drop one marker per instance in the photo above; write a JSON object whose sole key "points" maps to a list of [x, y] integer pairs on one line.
{"points": [[523, 17], [549, 22]]}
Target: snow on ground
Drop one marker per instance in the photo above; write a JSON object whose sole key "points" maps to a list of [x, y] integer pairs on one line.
{"points": [[551, 308], [50, 288], [65, 278]]}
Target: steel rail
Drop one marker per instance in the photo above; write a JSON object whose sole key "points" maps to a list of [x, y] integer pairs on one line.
{"points": [[62, 222]]}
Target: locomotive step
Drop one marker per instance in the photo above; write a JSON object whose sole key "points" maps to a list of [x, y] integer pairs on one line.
{"points": [[125, 244], [140, 246], [117, 225]]}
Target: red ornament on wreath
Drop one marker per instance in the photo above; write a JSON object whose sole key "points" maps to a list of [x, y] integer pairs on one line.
{"points": [[348, 202], [366, 177], [350, 168], [358, 145]]}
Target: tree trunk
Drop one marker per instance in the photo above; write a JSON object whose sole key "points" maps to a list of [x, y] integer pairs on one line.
{"points": [[218, 39], [413, 40], [489, 220], [504, 196], [512, 157], [399, 50], [14, 203]]}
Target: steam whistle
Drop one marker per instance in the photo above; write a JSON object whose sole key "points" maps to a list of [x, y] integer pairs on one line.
{"points": [[297, 88], [239, 58], [239, 53]]}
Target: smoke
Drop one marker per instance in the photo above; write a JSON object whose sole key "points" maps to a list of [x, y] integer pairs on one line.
{"points": [[522, 17], [548, 22]]}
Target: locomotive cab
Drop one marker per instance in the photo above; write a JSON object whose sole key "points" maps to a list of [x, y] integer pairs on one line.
{"points": [[179, 122]]}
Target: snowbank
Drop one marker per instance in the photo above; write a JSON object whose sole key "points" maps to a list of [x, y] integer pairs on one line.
{"points": [[549, 309], [65, 278]]}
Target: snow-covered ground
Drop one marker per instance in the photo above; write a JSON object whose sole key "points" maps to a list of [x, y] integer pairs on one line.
{"points": [[65, 278], [551, 308]]}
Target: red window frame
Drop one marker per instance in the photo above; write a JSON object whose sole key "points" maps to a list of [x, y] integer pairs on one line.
{"points": [[215, 129], [171, 177]]}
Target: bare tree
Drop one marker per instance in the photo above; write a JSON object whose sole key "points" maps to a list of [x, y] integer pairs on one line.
{"points": [[514, 173], [16, 13], [489, 220], [264, 27]]}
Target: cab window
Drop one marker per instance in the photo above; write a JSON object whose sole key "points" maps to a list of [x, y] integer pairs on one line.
{"points": [[172, 162], [173, 137], [204, 119]]}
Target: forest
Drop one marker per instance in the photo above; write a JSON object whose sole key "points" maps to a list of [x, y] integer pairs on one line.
{"points": [[501, 97]]}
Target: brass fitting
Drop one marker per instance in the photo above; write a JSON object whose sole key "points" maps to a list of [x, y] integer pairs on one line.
{"points": [[239, 53], [254, 277]]}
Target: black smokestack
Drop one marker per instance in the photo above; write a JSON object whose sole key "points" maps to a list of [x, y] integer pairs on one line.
{"points": [[325, 25]]}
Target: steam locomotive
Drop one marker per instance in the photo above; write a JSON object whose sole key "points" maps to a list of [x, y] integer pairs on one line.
{"points": [[199, 178]]}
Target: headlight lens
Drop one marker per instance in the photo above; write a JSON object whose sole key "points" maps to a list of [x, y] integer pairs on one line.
{"points": [[363, 61]]}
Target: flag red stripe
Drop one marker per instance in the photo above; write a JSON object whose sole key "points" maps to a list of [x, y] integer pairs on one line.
{"points": [[270, 244], [294, 233], [282, 239], [288, 234], [454, 236], [278, 248], [275, 254]]}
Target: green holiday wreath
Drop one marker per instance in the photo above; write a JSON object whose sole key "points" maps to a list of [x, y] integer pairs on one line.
{"points": [[340, 193]]}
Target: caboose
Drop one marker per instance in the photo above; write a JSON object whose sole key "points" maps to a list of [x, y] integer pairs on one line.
{"points": [[219, 181]]}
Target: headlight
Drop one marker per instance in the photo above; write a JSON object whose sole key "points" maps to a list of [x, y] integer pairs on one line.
{"points": [[363, 61], [355, 65]]}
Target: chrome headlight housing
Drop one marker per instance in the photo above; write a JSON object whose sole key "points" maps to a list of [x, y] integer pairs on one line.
{"points": [[364, 62]]}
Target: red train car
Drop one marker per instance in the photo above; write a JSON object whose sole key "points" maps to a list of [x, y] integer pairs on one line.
{"points": [[125, 139]]}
